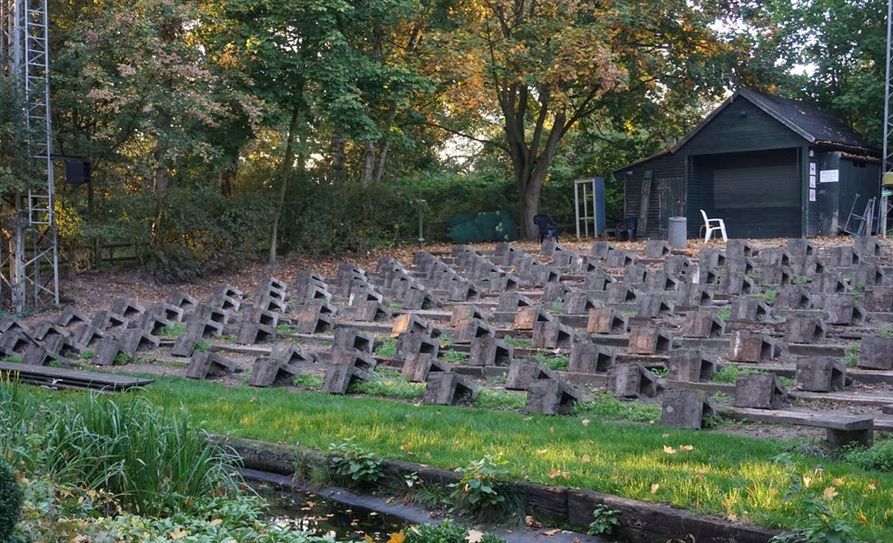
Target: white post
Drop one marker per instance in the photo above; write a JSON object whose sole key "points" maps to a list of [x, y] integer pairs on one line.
{"points": [[577, 205]]}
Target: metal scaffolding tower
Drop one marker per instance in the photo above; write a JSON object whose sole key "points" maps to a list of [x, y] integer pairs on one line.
{"points": [[29, 267], [887, 153]]}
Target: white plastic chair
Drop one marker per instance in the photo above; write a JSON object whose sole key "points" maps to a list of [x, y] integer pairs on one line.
{"points": [[711, 226]]}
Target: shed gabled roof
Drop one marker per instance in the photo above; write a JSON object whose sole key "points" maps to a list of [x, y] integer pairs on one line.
{"points": [[808, 121], [815, 125]]}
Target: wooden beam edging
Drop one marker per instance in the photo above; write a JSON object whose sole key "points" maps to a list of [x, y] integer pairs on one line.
{"points": [[640, 522]]}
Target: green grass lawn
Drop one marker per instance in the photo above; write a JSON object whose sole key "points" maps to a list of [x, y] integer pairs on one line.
{"points": [[736, 477]]}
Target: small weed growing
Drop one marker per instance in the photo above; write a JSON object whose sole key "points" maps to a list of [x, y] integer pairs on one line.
{"points": [[173, 330], [352, 464], [309, 381], [557, 363], [203, 346], [285, 329], [519, 342], [387, 348], [87, 354], [500, 399], [482, 490], [851, 355], [606, 406], [604, 520], [454, 357]]}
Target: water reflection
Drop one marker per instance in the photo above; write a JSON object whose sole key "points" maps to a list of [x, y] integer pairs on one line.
{"points": [[311, 513]]}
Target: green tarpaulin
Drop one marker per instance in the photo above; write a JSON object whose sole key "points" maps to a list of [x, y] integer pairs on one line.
{"points": [[476, 227]]}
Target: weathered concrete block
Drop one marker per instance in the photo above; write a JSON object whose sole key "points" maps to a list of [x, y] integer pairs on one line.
{"points": [[618, 259], [348, 337], [804, 329], [660, 281], [677, 266], [448, 388], [371, 311], [409, 322], [867, 246], [620, 293], [37, 355], [844, 256], [252, 332], [510, 302], [684, 408], [182, 300], [775, 256], [606, 320], [774, 275], [693, 295], [648, 339], [828, 283], [866, 274], [578, 302], [206, 364], [653, 305], [690, 365], [822, 374], [601, 249], [340, 376], [793, 297], [552, 335], [524, 372], [553, 292], [417, 367], [107, 351], [631, 380], [657, 248], [107, 320], [416, 343], [591, 358], [597, 280], [748, 346], [134, 340], [843, 310], [14, 342], [739, 266], [527, 317], [749, 309], [466, 331], [703, 324], [551, 397], [128, 308], [490, 351], [71, 316], [760, 391], [736, 284], [355, 358], [634, 274], [876, 353], [739, 248], [879, 299], [293, 355], [800, 248], [465, 312], [268, 372]]}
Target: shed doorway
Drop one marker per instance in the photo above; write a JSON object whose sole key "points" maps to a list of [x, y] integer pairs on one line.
{"points": [[758, 193]]}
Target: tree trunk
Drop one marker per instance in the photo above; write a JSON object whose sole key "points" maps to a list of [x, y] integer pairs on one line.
{"points": [[338, 173], [284, 174], [368, 164]]}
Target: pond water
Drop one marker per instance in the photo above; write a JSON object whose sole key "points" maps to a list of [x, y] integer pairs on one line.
{"points": [[313, 513]]}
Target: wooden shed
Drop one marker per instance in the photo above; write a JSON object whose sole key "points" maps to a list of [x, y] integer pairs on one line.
{"points": [[769, 166]]}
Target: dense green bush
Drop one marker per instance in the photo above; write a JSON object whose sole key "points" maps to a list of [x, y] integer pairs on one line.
{"points": [[878, 457], [10, 500]]}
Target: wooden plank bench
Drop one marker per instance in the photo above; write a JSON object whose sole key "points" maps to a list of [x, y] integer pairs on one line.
{"points": [[67, 378], [841, 429]]}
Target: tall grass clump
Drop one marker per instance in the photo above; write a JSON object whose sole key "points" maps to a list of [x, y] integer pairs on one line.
{"points": [[152, 461]]}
